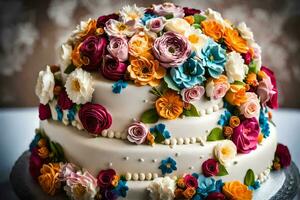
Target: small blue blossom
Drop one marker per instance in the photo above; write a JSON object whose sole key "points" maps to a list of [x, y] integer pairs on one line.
{"points": [[59, 113], [263, 123], [224, 119], [206, 186], [161, 128], [168, 166], [255, 186], [121, 189], [35, 141], [71, 113], [118, 86], [147, 17]]}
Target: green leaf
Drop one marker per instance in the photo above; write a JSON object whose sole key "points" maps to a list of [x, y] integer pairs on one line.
{"points": [[171, 83], [199, 18], [150, 116], [156, 92], [249, 178], [253, 67], [163, 87], [239, 83], [215, 134], [192, 112], [169, 16], [222, 170], [69, 69], [197, 26]]}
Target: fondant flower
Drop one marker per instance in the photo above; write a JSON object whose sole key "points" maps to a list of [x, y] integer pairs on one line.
{"points": [[192, 94], [236, 95], [108, 194], [118, 86], [66, 170], [84, 29], [131, 13], [225, 152], [92, 49], [35, 164], [245, 135], [120, 29], [196, 38], [43, 152], [160, 131], [190, 181], [170, 105], [44, 111], [190, 11], [177, 25], [245, 32], [45, 85], [235, 68], [112, 68], [251, 107], [206, 186], [189, 74], [137, 132], [146, 71], [236, 190], [156, 24], [79, 86], [212, 15], [283, 154], [121, 189], [49, 178], [65, 55], [217, 88], [215, 196], [168, 166], [189, 192], [94, 118], [104, 18], [105, 178], [118, 48], [168, 9], [210, 167], [140, 44], [162, 188], [213, 57], [171, 49], [213, 29], [63, 101], [234, 41]]}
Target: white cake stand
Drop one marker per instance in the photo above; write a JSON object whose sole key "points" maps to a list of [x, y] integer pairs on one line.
{"points": [[281, 185]]}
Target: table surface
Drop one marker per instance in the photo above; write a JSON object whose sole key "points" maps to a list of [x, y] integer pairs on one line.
{"points": [[17, 130]]}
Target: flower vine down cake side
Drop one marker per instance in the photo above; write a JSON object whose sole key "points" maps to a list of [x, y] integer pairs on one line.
{"points": [[165, 102]]}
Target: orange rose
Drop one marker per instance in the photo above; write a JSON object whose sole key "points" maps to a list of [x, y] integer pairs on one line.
{"points": [[180, 183], [212, 29], [146, 71], [49, 179], [236, 95], [251, 79], [140, 44], [43, 152], [170, 105], [234, 121], [189, 192], [234, 41], [77, 59], [227, 131], [236, 190]]}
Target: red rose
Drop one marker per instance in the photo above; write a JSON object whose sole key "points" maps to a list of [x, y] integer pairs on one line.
{"points": [[64, 102], [215, 196], [105, 178], [35, 164], [190, 181], [210, 167], [190, 11], [104, 18], [44, 111], [283, 153], [94, 118], [273, 102], [112, 69]]}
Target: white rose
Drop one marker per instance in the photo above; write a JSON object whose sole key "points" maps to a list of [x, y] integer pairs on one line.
{"points": [[79, 86], [216, 16], [162, 188], [235, 67], [245, 32], [177, 25], [66, 52], [45, 85], [196, 38], [225, 152]]}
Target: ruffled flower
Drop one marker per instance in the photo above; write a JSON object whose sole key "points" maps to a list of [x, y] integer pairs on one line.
{"points": [[168, 166], [49, 178], [160, 132], [236, 190], [45, 85], [79, 86], [112, 68], [170, 105], [225, 152], [63, 101], [235, 68], [66, 170], [168, 9], [196, 38], [245, 135], [234, 41], [236, 95], [217, 88], [251, 107], [245, 32], [104, 18], [171, 49], [35, 163], [177, 25], [66, 55], [140, 44], [162, 188], [118, 48], [94, 118], [189, 192], [206, 186], [44, 112], [131, 13], [156, 24], [137, 132], [192, 94], [190, 181], [105, 178], [118, 86], [264, 123], [212, 15], [85, 29], [120, 29], [210, 167], [213, 29], [283, 155]]}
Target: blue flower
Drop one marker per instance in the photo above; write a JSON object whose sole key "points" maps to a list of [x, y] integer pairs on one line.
{"points": [[213, 57], [168, 166], [121, 189], [160, 132], [224, 119], [59, 113], [118, 86], [71, 114], [190, 73], [255, 186], [35, 141], [206, 186], [263, 123], [147, 17]]}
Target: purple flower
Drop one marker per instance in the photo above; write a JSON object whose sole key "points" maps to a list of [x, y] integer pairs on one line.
{"points": [[109, 195], [118, 48], [112, 69], [156, 24], [44, 111], [171, 49], [137, 132], [168, 9]]}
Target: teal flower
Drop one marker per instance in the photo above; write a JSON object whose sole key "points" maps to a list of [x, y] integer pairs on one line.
{"points": [[35, 141], [263, 123], [59, 113], [121, 189], [71, 113], [224, 119], [118, 86], [206, 185], [190, 73], [255, 186], [168, 166], [213, 57]]}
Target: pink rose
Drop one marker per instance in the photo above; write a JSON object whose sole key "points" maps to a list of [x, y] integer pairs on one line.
{"points": [[67, 170], [273, 102], [94, 118], [251, 107], [105, 178], [112, 69], [265, 90], [210, 167], [217, 88], [245, 135], [190, 181], [35, 164], [64, 102], [44, 111], [118, 48], [167, 8], [137, 132], [156, 24], [85, 179], [191, 94]]}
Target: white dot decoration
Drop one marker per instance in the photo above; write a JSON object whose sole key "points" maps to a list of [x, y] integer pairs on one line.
{"points": [[141, 160]]}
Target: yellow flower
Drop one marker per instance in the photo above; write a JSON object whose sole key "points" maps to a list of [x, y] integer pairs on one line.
{"points": [[180, 183], [189, 192], [189, 19], [236, 190], [236, 95], [43, 152], [49, 179], [251, 79], [150, 138], [212, 29], [146, 71], [140, 44], [234, 41], [170, 105]]}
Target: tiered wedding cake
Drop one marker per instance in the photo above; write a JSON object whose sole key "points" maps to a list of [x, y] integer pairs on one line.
{"points": [[162, 102]]}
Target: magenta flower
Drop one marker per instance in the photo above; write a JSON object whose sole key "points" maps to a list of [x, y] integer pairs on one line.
{"points": [[190, 11], [112, 69], [137, 132], [273, 100], [215, 196], [104, 18], [118, 48], [64, 102], [105, 178], [35, 164], [44, 111], [283, 153], [190, 181], [210, 167]]}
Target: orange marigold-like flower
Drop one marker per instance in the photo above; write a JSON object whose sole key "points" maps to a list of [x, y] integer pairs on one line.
{"points": [[140, 44], [146, 71], [212, 29], [170, 105], [236, 95], [49, 179], [234, 41], [236, 190], [178, 193], [42, 142], [77, 59], [251, 79], [189, 192]]}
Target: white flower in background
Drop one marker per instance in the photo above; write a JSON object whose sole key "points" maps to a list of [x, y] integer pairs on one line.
{"points": [[45, 85], [196, 38], [119, 29], [162, 188], [131, 13], [225, 152], [251, 107], [216, 16], [177, 25], [245, 32], [235, 68], [79, 86], [66, 51]]}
